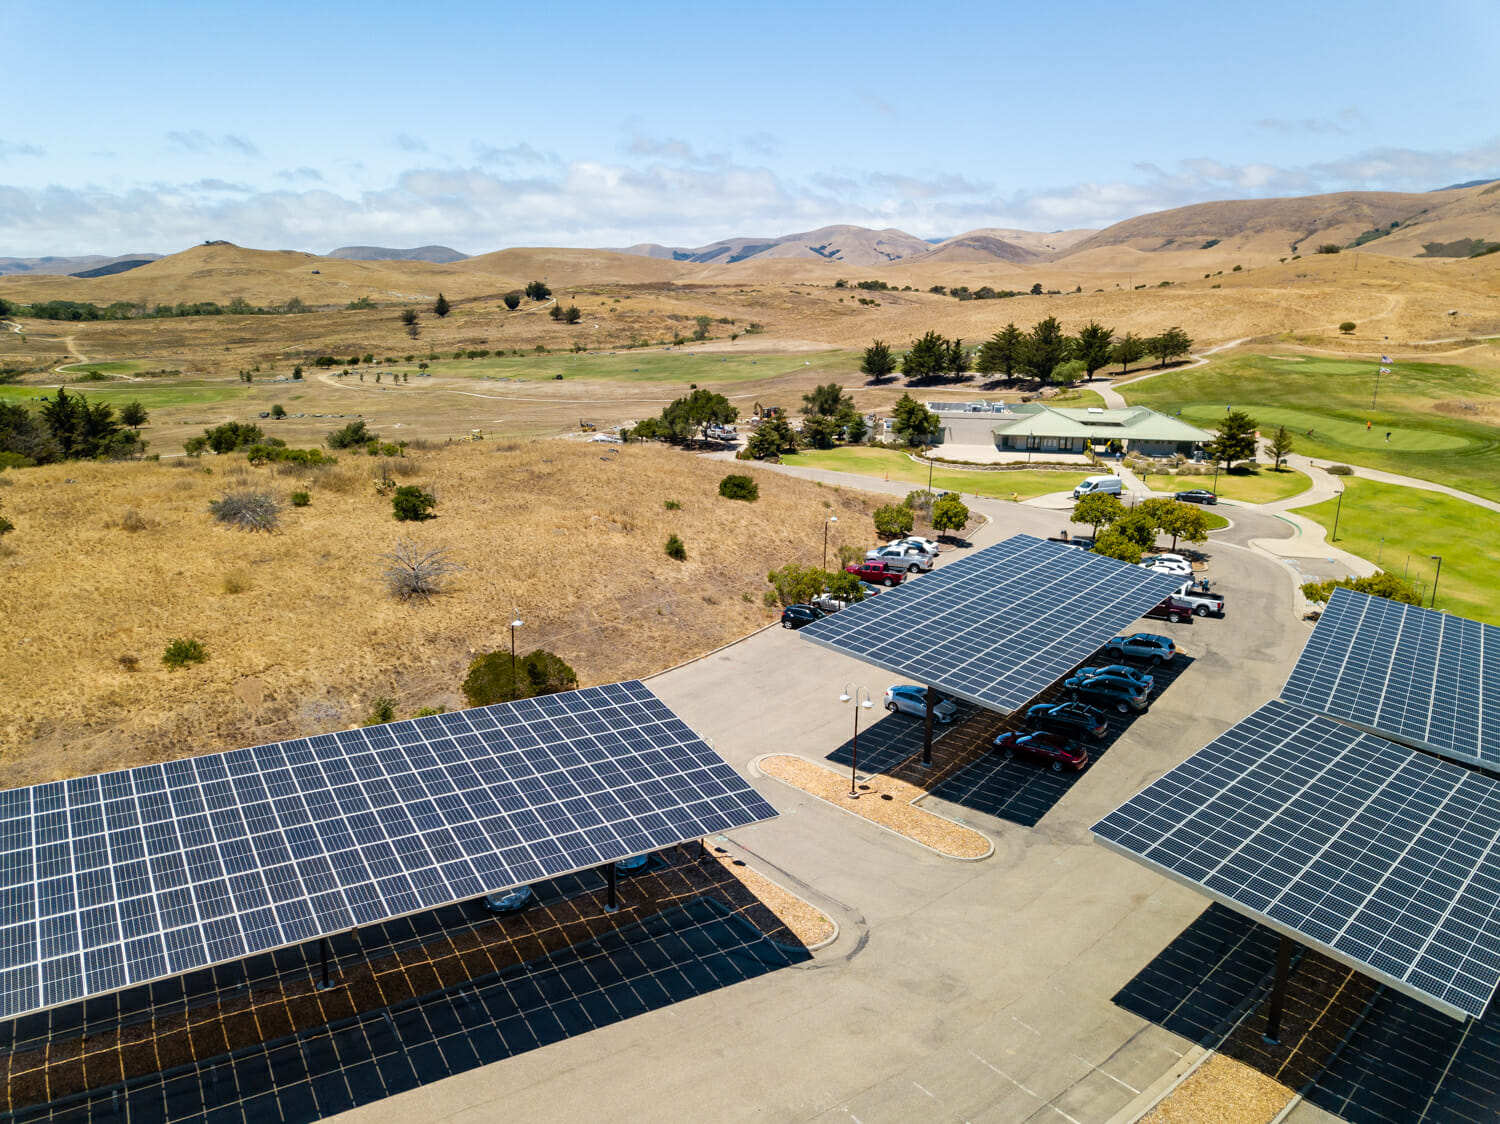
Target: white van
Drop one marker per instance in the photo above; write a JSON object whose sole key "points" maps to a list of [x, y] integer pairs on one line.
{"points": [[1098, 485]]}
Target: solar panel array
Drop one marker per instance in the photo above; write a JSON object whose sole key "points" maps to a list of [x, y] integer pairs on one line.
{"points": [[1420, 676], [1385, 858], [113, 880], [1000, 626]]}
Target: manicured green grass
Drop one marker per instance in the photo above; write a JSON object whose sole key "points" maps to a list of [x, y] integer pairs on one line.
{"points": [[1326, 405], [1216, 522], [1077, 399], [653, 365], [153, 394], [894, 465], [1265, 486], [108, 367], [1400, 528]]}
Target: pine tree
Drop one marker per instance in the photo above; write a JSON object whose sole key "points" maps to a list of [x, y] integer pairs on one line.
{"points": [[441, 307]]}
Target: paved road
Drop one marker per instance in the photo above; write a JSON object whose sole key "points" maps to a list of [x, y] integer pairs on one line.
{"points": [[963, 991]]}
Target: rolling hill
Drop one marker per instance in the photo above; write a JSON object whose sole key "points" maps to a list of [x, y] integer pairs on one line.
{"points": [[438, 255]]}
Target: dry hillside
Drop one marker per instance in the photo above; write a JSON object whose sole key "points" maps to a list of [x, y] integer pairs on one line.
{"points": [[108, 563]]}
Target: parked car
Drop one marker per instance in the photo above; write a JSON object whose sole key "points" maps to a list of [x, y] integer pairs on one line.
{"points": [[1203, 602], [1143, 679], [877, 573], [1060, 751], [1172, 609], [633, 865], [870, 590], [910, 699], [826, 603], [1115, 691], [911, 559], [1196, 495], [1142, 646], [1165, 556], [929, 545], [1072, 718], [1098, 485], [510, 901], [799, 616], [1176, 569]]}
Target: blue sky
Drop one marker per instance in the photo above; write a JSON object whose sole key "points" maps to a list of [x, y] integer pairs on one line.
{"points": [[480, 126]]}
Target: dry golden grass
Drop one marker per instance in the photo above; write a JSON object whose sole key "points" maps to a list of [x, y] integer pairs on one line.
{"points": [[1222, 1091], [570, 535]]}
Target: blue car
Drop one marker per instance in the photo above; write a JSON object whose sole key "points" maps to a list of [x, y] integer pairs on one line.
{"points": [[510, 901]]}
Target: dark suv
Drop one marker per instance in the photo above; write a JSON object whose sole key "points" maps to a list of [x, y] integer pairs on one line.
{"points": [[1073, 719], [1124, 695], [795, 616]]}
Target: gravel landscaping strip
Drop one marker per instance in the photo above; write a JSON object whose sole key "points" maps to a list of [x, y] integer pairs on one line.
{"points": [[1222, 1091], [882, 800]]}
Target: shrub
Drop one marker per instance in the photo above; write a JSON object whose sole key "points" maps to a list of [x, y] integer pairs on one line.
{"points": [[794, 584], [278, 410], [1339, 470], [129, 662], [349, 436], [1347, 326], [893, 520], [382, 712], [414, 572], [671, 505], [512, 300], [536, 673], [180, 653], [247, 510], [1328, 248], [230, 436], [949, 514], [301, 499], [738, 487], [675, 549], [6, 526], [411, 505]]}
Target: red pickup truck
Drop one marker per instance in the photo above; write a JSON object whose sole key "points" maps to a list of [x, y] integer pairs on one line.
{"points": [[877, 573]]}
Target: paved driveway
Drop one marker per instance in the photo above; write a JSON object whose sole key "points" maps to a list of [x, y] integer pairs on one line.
{"points": [[976, 991]]}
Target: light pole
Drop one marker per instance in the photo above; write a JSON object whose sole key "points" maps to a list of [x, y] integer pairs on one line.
{"points": [[852, 694], [1435, 577], [830, 519], [1336, 511], [1216, 478], [515, 623]]}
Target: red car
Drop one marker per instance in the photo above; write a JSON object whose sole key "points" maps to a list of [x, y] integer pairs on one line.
{"points": [[1063, 753], [877, 573], [1171, 609]]}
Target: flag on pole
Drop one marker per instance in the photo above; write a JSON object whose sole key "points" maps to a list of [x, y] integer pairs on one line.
{"points": [[1385, 358], [1385, 370]]}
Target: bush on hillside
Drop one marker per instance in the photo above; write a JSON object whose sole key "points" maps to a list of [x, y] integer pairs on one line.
{"points": [[893, 520], [1339, 470], [415, 572], [675, 548], [536, 673], [411, 505], [349, 436], [181, 652], [247, 510], [738, 487]]}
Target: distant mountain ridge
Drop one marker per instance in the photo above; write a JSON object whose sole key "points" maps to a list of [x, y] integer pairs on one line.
{"points": [[437, 255], [86, 265]]}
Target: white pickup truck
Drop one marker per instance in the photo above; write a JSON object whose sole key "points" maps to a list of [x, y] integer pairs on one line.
{"points": [[1204, 602]]}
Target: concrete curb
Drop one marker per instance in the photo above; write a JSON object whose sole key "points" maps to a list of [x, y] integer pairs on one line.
{"points": [[755, 767], [820, 945]]}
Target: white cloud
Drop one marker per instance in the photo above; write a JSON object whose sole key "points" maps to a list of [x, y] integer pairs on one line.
{"points": [[196, 140], [408, 143], [8, 149]]}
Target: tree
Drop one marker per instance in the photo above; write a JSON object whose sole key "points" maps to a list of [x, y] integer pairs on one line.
{"points": [[556, 312], [409, 316], [695, 413], [1001, 353], [1092, 347], [821, 431], [1281, 445], [770, 439], [911, 421], [1347, 326], [796, 585], [703, 324], [1112, 544], [1379, 584], [537, 291], [878, 362], [1046, 346], [134, 415], [1169, 345], [1180, 520], [537, 673], [845, 586], [278, 410], [410, 504], [573, 314], [958, 359], [927, 358], [827, 400], [1235, 440], [441, 307], [230, 436], [893, 520], [737, 486], [1130, 349], [949, 514], [297, 373], [349, 436], [1098, 510], [1036, 289]]}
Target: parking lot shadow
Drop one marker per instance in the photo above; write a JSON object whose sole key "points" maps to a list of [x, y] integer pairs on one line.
{"points": [[1023, 791], [1349, 1045], [890, 740]]}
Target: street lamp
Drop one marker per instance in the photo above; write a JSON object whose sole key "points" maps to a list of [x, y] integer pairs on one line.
{"points": [[1336, 511], [516, 622], [830, 519], [1216, 478], [1435, 577], [852, 694]]}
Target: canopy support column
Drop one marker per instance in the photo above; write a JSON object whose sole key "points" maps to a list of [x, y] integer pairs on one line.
{"points": [[932, 697], [1272, 1036]]}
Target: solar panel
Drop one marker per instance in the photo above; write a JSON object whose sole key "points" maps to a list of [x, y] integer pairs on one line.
{"points": [[1385, 858], [1421, 677], [999, 627], [114, 880]]}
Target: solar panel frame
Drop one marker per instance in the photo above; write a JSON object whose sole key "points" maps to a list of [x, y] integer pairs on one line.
{"points": [[1414, 675], [1381, 857], [956, 628], [120, 879]]}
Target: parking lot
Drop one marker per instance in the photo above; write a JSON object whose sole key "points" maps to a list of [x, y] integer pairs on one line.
{"points": [[979, 991]]}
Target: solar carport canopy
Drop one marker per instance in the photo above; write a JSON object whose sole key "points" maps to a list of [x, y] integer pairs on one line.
{"points": [[115, 880], [1425, 678], [1384, 858], [1000, 626]]}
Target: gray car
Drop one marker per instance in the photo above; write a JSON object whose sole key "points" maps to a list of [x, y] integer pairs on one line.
{"points": [[907, 698]]}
